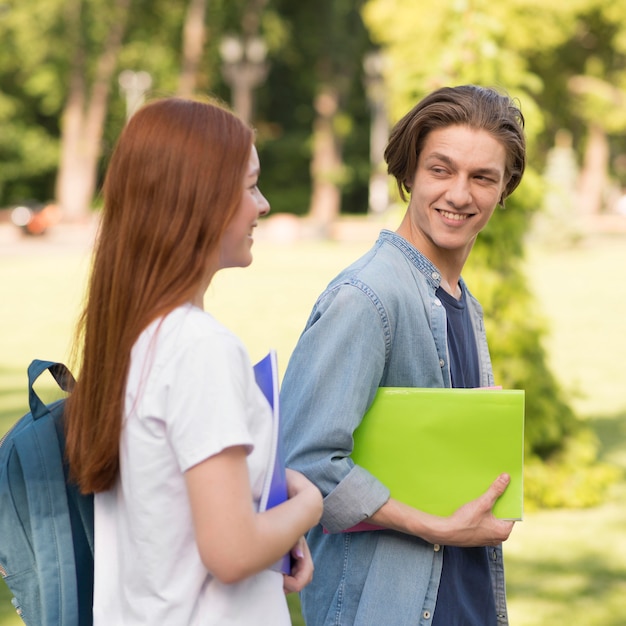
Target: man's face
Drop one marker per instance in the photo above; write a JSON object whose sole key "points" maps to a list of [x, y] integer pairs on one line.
{"points": [[459, 180]]}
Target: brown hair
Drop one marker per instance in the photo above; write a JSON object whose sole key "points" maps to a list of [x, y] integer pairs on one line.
{"points": [[467, 105], [173, 184]]}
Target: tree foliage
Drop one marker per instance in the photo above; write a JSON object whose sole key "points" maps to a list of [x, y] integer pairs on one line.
{"points": [[30, 99]]}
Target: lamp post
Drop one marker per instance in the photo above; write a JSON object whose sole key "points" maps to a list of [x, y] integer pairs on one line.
{"points": [[379, 131], [244, 67], [134, 85]]}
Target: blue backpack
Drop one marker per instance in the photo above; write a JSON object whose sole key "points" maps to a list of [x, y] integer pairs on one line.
{"points": [[46, 525]]}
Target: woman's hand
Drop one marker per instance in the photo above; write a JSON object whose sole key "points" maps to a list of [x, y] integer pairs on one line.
{"points": [[298, 483], [301, 488], [301, 568]]}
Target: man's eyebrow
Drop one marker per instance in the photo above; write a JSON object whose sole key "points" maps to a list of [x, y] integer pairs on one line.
{"points": [[490, 171], [440, 157]]}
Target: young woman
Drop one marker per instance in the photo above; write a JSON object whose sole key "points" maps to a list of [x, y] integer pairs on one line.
{"points": [[166, 424]]}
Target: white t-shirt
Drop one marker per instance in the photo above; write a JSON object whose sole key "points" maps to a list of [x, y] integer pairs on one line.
{"points": [[190, 394]]}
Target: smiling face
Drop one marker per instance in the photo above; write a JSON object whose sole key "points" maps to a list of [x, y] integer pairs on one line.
{"points": [[236, 243], [459, 180]]}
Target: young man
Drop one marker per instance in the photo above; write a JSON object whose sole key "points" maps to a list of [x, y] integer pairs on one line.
{"points": [[401, 316]]}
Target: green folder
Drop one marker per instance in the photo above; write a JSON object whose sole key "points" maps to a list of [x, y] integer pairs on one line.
{"points": [[437, 449]]}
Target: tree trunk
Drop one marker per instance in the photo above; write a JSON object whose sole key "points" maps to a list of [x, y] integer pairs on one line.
{"points": [[593, 174], [193, 45], [326, 161], [83, 116]]}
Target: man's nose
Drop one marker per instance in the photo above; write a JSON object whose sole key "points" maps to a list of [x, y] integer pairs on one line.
{"points": [[459, 193]]}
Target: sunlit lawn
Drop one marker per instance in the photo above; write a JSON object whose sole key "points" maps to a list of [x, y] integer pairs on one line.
{"points": [[563, 567]]}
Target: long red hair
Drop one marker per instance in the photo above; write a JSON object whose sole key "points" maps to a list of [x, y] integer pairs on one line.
{"points": [[174, 182]]}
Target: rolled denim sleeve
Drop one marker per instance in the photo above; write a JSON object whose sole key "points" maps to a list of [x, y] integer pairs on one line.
{"points": [[330, 382], [356, 497]]}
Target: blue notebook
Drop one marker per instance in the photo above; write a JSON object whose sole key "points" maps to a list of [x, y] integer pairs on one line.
{"points": [[275, 487]]}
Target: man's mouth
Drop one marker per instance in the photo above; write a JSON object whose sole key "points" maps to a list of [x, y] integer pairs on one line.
{"points": [[456, 217]]}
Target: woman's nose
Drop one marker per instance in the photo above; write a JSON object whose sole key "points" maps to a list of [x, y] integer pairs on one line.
{"points": [[264, 206]]}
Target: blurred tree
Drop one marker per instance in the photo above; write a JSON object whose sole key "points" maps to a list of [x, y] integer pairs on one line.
{"points": [[589, 66], [194, 31], [56, 75], [315, 150], [92, 46], [343, 41], [30, 98], [58, 72]]}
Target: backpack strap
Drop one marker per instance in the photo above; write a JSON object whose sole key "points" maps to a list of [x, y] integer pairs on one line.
{"points": [[60, 373], [66, 382], [42, 465]]}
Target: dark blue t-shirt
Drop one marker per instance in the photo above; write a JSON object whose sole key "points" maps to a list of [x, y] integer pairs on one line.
{"points": [[465, 595]]}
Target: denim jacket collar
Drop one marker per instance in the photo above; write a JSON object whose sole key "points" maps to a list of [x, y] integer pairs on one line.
{"points": [[430, 272]]}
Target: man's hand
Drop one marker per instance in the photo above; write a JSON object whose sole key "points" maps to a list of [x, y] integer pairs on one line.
{"points": [[474, 524]]}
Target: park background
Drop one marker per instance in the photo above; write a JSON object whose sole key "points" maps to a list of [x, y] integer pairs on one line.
{"points": [[322, 82]]}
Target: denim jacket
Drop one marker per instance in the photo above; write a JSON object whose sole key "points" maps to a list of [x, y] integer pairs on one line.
{"points": [[378, 323]]}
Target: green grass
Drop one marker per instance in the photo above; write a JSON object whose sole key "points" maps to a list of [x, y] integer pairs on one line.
{"points": [[582, 294], [563, 567], [569, 566]]}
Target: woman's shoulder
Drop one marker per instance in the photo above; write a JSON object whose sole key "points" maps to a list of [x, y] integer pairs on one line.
{"points": [[188, 329], [190, 320]]}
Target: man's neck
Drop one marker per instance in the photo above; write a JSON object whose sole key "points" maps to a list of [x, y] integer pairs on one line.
{"points": [[454, 289], [449, 263]]}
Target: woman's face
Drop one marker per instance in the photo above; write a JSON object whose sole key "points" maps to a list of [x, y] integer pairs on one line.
{"points": [[236, 243]]}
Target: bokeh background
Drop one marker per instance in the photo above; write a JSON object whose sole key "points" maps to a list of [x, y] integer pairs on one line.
{"points": [[322, 82]]}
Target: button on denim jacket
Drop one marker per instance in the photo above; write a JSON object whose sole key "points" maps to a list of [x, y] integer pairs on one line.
{"points": [[377, 324]]}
